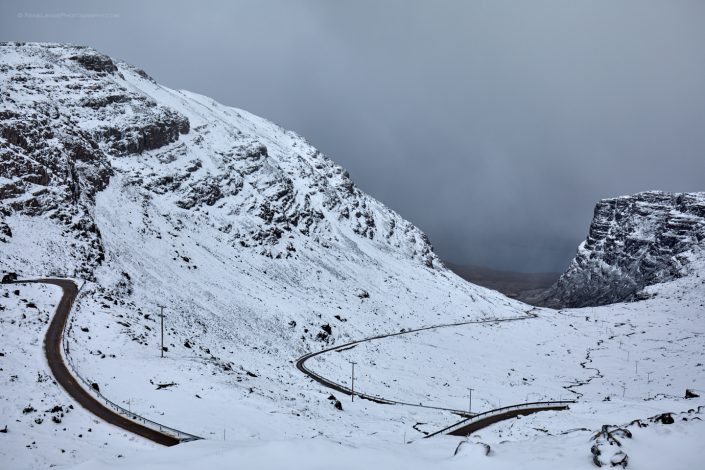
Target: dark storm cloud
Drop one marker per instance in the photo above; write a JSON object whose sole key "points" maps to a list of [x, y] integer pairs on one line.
{"points": [[493, 125]]}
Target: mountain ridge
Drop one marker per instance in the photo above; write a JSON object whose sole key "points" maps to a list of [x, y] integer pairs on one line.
{"points": [[70, 112]]}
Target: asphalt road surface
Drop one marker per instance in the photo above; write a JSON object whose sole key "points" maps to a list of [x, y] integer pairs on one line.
{"points": [[301, 363], [61, 373], [52, 348], [473, 424]]}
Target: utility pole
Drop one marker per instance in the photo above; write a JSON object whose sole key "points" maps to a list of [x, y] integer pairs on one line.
{"points": [[470, 399], [352, 387], [624, 388], [162, 316], [636, 367], [648, 377]]}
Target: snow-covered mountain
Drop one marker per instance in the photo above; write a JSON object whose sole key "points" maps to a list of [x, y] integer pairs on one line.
{"points": [[149, 192], [634, 241], [110, 177], [72, 118], [261, 249]]}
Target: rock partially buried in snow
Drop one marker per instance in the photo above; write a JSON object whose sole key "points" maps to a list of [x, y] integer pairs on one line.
{"points": [[472, 448], [691, 394]]}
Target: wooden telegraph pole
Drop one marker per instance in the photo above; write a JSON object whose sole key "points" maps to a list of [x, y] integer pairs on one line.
{"points": [[162, 317], [352, 387]]}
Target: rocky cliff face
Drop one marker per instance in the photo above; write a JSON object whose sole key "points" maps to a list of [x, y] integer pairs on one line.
{"points": [[71, 118], [634, 241], [65, 111]]}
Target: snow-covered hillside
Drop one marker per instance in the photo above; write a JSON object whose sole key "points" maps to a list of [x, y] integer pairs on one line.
{"points": [[261, 249]]}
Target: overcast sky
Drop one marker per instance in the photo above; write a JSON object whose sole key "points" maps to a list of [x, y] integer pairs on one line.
{"points": [[493, 125]]}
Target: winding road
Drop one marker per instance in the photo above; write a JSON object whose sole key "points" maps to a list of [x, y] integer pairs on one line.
{"points": [[482, 420], [52, 349], [301, 362], [472, 422]]}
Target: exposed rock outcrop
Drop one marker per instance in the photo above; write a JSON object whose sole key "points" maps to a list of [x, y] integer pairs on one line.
{"points": [[72, 119], [634, 241], [65, 111], [608, 448]]}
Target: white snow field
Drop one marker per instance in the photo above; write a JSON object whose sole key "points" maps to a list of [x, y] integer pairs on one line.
{"points": [[670, 322], [288, 422], [240, 309]]}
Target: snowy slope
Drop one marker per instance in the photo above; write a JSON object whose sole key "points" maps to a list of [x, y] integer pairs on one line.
{"points": [[261, 249], [628, 365], [42, 423], [259, 246]]}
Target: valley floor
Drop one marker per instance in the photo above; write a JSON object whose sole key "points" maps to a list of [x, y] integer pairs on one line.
{"points": [[622, 362]]}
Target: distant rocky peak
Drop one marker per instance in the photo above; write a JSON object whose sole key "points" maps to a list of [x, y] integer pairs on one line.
{"points": [[633, 241]]}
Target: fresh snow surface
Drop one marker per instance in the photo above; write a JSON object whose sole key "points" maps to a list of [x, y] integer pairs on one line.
{"points": [[664, 334], [675, 446], [44, 425], [238, 315]]}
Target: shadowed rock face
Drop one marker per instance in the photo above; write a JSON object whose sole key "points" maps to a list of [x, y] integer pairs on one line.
{"points": [[64, 112], [95, 62], [634, 241]]}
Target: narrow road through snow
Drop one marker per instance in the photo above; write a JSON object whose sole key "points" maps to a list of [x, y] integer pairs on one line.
{"points": [[482, 420], [473, 426], [52, 348]]}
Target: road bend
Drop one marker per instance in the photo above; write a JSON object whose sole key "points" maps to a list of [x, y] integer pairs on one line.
{"points": [[61, 373], [301, 362]]}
